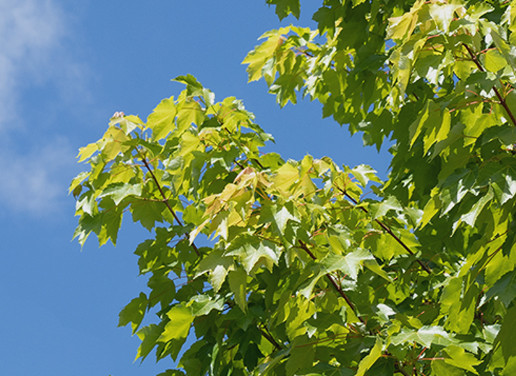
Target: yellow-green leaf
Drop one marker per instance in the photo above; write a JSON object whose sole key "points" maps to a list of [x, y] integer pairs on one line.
{"points": [[181, 319], [458, 357], [238, 284], [370, 358], [161, 121]]}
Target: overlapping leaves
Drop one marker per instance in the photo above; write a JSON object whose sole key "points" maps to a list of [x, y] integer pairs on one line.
{"points": [[297, 273]]}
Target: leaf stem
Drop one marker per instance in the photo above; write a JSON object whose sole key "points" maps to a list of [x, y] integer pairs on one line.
{"points": [[332, 281], [267, 335], [165, 200], [389, 231], [502, 100]]}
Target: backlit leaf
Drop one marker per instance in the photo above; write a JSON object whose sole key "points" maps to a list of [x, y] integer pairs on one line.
{"points": [[161, 121], [459, 358], [119, 191], [238, 285], [179, 325], [371, 358]]}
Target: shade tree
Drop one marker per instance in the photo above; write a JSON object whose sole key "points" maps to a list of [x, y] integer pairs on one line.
{"points": [[281, 267]]}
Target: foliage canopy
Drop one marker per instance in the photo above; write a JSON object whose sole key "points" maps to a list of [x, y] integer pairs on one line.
{"points": [[302, 275]]}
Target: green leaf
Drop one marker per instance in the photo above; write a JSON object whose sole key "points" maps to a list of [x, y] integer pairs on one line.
{"points": [[302, 355], [494, 61], [163, 289], [201, 305], [253, 253], [178, 326], [370, 358], [471, 217], [285, 178], [260, 58], [384, 311], [217, 266], [364, 174], [238, 285], [128, 123], [161, 121], [425, 336], [286, 7], [441, 368], [504, 343], [504, 289], [118, 191], [172, 372], [148, 213], [373, 266], [149, 336], [443, 14], [134, 312], [402, 26], [193, 87], [433, 122], [77, 181], [428, 335], [87, 151], [349, 264], [432, 207], [459, 358], [382, 208], [189, 113], [508, 51], [280, 218]]}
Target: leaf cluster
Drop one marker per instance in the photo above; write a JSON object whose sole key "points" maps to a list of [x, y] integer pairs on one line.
{"points": [[274, 267]]}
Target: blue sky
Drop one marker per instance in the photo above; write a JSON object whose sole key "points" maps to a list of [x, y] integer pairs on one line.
{"points": [[65, 68]]}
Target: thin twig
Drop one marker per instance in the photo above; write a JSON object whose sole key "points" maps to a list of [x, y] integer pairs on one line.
{"points": [[252, 159], [165, 200], [500, 98], [269, 338], [332, 281], [389, 231]]}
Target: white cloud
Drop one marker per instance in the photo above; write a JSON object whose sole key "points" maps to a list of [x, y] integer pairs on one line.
{"points": [[31, 32], [34, 59], [34, 182], [29, 25]]}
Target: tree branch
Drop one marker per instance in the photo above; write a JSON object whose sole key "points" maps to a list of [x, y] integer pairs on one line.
{"points": [[389, 231], [165, 199], [270, 338], [332, 281], [502, 100]]}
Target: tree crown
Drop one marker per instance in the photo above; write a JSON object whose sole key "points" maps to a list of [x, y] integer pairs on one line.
{"points": [[277, 267]]}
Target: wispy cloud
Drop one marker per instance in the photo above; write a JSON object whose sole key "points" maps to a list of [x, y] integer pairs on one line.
{"points": [[33, 56], [30, 33], [34, 182]]}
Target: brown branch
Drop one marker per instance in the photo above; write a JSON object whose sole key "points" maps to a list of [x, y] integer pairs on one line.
{"points": [[269, 338], [389, 231], [165, 199], [502, 100], [332, 281], [251, 159]]}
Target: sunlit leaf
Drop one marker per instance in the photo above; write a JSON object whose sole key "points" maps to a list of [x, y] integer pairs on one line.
{"points": [[179, 325], [161, 121]]}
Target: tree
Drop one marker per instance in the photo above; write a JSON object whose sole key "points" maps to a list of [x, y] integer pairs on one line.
{"points": [[301, 275]]}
